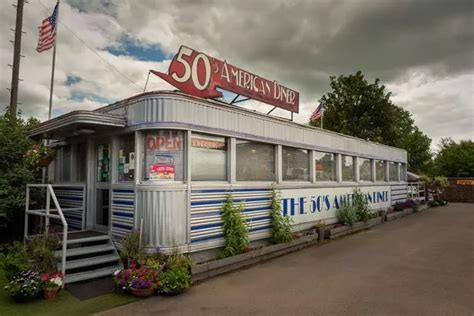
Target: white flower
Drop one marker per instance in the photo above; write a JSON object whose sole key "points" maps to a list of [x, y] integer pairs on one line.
{"points": [[117, 272]]}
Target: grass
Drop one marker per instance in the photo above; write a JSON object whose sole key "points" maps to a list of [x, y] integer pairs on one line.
{"points": [[65, 304]]}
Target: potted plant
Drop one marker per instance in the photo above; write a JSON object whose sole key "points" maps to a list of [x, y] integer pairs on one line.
{"points": [[40, 155], [51, 282], [131, 248], [24, 287], [140, 282]]}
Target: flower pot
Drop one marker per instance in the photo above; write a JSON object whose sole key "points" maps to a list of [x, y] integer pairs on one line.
{"points": [[142, 292], [50, 293]]}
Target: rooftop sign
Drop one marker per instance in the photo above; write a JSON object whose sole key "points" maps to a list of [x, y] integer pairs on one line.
{"points": [[198, 74]]}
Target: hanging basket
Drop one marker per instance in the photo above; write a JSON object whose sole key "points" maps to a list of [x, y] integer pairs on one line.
{"points": [[44, 162]]}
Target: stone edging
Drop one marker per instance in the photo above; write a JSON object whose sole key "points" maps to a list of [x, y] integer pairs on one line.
{"points": [[213, 268]]}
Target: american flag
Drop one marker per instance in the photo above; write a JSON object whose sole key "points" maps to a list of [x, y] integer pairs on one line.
{"points": [[317, 113], [47, 31]]}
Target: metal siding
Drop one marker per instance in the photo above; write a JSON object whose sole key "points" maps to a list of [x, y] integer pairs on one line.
{"points": [[161, 211], [206, 209], [123, 212], [167, 109], [399, 193], [70, 197]]}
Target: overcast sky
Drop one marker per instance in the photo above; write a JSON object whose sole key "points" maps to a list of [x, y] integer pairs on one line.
{"points": [[422, 50]]}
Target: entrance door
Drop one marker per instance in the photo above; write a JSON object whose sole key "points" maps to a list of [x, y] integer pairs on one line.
{"points": [[102, 186]]}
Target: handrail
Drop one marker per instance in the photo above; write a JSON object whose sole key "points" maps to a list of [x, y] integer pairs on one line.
{"points": [[420, 188], [47, 214]]}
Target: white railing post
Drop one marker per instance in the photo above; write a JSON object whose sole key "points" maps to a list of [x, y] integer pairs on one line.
{"points": [[48, 206], [27, 206]]}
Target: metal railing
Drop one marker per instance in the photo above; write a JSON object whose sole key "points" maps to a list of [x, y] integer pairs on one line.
{"points": [[49, 213], [417, 191]]}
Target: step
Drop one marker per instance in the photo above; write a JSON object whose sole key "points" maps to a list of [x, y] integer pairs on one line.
{"points": [[92, 261], [86, 250], [87, 239], [93, 274]]}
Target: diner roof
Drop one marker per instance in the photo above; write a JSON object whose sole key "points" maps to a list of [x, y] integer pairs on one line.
{"points": [[77, 123]]}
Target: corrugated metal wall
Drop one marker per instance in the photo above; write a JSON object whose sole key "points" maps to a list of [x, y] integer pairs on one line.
{"points": [[71, 197], [399, 193], [123, 212], [179, 111], [206, 209], [164, 215]]}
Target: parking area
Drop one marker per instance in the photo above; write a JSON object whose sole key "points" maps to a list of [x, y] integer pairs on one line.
{"points": [[422, 264]]}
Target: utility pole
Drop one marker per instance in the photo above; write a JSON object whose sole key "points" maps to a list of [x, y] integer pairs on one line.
{"points": [[16, 58]]}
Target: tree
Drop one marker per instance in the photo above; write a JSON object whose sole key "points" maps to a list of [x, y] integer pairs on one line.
{"points": [[455, 160], [362, 109], [15, 171]]}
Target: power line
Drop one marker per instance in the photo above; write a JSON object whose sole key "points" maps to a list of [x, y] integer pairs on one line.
{"points": [[95, 52]]}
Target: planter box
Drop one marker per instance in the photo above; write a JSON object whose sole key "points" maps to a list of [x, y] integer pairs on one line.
{"points": [[397, 215], [346, 230], [206, 270]]}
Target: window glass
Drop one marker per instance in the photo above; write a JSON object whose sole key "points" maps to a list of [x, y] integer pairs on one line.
{"points": [[81, 160], [325, 166], [295, 164], [403, 172], [255, 161], [126, 158], [208, 158], [348, 173], [103, 163], [164, 156], [393, 172], [365, 169], [379, 170]]}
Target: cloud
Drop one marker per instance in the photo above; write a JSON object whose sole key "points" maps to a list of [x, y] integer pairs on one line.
{"points": [[421, 50]]}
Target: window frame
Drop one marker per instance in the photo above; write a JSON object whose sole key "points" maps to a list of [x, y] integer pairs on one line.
{"points": [[228, 167], [185, 157]]}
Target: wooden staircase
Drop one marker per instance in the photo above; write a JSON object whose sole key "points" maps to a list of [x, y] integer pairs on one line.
{"points": [[89, 255]]}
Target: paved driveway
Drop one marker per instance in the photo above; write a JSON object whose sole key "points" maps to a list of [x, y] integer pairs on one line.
{"points": [[422, 264]]}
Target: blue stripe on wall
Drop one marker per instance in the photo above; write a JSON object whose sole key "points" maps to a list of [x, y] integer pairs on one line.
{"points": [[195, 203]]}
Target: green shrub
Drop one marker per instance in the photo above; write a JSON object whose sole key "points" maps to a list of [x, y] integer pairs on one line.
{"points": [[360, 203], [281, 225], [176, 276], [174, 280], [236, 233], [346, 215], [42, 248], [399, 206], [15, 261], [131, 248]]}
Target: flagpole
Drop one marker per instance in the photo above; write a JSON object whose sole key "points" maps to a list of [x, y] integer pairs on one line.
{"points": [[51, 87], [322, 117], [45, 141]]}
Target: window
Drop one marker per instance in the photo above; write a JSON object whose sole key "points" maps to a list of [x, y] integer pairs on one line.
{"points": [[103, 163], [348, 173], [325, 164], [403, 172], [81, 160], [379, 170], [164, 156], [126, 158], [392, 171], [295, 164], [365, 169], [208, 158], [255, 161]]}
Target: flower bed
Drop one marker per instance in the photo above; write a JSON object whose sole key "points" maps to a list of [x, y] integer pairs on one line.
{"points": [[206, 270], [343, 230]]}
